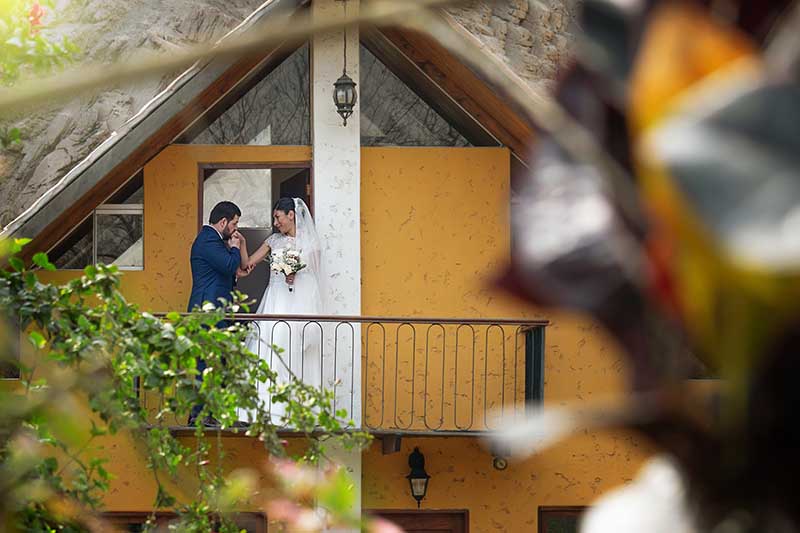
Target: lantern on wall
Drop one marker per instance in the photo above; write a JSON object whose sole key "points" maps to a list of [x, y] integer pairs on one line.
{"points": [[418, 478]]}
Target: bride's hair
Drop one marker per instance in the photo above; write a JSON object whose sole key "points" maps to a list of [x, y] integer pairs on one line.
{"points": [[285, 204]]}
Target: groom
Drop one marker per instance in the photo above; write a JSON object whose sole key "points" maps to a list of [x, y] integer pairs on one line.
{"points": [[215, 268]]}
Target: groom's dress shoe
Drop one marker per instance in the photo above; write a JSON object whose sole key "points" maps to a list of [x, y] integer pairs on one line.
{"points": [[209, 422]]}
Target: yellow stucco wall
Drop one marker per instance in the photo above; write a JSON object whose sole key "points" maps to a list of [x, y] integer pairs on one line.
{"points": [[435, 230]]}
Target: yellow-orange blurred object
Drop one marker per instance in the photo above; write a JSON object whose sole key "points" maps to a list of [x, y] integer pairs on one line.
{"points": [[731, 308]]}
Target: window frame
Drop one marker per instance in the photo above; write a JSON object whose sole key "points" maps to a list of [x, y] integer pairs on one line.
{"points": [[107, 207], [568, 510], [119, 518], [14, 337], [115, 209]]}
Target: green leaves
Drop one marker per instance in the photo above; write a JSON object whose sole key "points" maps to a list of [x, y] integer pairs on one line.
{"points": [[10, 137], [37, 339], [40, 260], [16, 263], [138, 372], [24, 47]]}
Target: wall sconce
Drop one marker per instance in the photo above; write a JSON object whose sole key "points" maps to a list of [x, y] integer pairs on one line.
{"points": [[418, 477]]}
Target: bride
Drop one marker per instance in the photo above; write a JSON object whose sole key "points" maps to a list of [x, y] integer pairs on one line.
{"points": [[295, 294]]}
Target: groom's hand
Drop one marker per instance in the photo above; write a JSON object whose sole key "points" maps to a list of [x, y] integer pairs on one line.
{"points": [[241, 273]]}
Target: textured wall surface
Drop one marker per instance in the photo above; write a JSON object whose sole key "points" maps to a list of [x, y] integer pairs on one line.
{"points": [[574, 472], [532, 36], [172, 214], [434, 233], [440, 206], [434, 225]]}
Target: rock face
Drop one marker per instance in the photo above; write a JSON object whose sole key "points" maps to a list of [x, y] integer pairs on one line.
{"points": [[531, 35], [57, 139]]}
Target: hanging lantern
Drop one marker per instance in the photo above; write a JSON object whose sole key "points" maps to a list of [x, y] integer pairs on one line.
{"points": [[345, 96], [344, 89]]}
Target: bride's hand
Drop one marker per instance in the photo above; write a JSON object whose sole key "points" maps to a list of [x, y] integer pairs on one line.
{"points": [[290, 279]]}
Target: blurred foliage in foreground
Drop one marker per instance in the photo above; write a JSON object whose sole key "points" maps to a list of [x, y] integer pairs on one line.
{"points": [[91, 349]]}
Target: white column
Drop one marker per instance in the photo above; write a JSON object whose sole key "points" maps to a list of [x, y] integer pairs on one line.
{"points": [[337, 203]]}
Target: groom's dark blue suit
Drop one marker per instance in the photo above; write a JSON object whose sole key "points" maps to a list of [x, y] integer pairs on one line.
{"points": [[213, 268], [213, 275]]}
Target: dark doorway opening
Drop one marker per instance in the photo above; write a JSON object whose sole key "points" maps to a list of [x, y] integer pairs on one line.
{"points": [[255, 189]]}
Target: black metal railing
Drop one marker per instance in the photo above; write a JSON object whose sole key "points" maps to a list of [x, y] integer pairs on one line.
{"points": [[428, 375]]}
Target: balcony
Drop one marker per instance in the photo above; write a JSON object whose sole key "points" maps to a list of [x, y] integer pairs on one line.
{"points": [[419, 376]]}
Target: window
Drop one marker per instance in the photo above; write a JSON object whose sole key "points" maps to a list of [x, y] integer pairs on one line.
{"points": [[112, 234], [275, 111], [393, 115], [534, 365], [560, 519], [9, 348], [134, 522]]}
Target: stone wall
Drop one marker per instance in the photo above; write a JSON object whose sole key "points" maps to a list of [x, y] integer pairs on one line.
{"points": [[531, 35], [58, 138]]}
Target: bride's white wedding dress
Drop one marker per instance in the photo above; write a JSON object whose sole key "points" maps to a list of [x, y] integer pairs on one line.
{"points": [[301, 341]]}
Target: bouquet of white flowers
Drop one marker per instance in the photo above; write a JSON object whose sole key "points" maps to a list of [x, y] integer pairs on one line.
{"points": [[287, 262]]}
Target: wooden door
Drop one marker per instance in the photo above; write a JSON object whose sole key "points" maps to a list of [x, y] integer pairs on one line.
{"points": [[429, 521], [298, 186], [254, 284]]}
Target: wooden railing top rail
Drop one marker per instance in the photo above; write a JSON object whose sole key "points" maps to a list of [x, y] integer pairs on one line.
{"points": [[385, 319]]}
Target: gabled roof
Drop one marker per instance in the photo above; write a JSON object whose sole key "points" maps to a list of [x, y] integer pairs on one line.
{"points": [[441, 79], [160, 121]]}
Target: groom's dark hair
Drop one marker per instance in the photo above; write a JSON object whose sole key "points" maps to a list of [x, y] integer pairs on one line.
{"points": [[226, 210]]}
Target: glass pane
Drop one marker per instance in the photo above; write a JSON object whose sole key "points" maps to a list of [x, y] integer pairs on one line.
{"points": [[130, 193], [276, 111], [561, 524], [9, 347], [119, 240], [76, 250], [136, 197], [393, 115], [557, 521], [248, 188]]}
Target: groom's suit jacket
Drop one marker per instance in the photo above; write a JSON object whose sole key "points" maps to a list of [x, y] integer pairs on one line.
{"points": [[213, 268]]}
